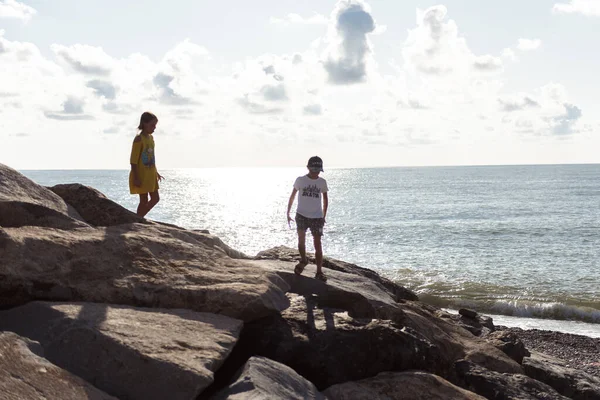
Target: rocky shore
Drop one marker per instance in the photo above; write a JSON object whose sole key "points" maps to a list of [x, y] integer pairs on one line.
{"points": [[575, 351], [96, 303]]}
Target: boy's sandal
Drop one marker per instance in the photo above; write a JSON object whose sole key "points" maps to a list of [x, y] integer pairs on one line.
{"points": [[321, 276], [300, 267]]}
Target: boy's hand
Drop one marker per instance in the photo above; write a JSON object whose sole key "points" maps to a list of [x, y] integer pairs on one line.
{"points": [[159, 176]]}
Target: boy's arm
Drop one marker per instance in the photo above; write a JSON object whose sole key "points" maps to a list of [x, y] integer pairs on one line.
{"points": [[291, 202], [325, 204]]}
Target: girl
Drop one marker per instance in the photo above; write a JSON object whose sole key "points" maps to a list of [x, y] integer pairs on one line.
{"points": [[144, 178]]}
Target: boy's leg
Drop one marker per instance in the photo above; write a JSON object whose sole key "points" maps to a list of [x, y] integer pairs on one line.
{"points": [[142, 207], [302, 246], [318, 252]]}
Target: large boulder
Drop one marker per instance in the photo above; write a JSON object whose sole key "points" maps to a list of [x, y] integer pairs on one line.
{"points": [[328, 346], [363, 297], [509, 343], [135, 264], [410, 385], [502, 386], [283, 253], [25, 203], [131, 353], [95, 208], [261, 378], [24, 374], [569, 382]]}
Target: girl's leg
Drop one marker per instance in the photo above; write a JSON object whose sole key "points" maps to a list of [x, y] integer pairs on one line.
{"points": [[143, 206], [154, 199]]}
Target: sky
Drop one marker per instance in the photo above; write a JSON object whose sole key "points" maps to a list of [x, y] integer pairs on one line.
{"points": [[270, 83]]}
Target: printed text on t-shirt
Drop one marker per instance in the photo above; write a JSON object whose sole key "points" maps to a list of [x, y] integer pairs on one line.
{"points": [[311, 191]]}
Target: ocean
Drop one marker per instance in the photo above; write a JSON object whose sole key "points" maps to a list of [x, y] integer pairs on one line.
{"points": [[519, 243]]}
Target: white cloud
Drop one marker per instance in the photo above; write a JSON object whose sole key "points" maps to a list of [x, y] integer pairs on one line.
{"points": [[15, 9], [85, 59], [528, 44], [585, 7], [350, 50], [436, 48], [443, 96], [316, 19]]}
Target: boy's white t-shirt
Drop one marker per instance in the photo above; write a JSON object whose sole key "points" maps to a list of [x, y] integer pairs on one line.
{"points": [[309, 196]]}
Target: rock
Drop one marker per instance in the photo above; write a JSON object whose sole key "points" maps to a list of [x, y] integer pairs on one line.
{"points": [[24, 374], [359, 295], [283, 253], [266, 379], [363, 298], [468, 313], [327, 346], [478, 325], [410, 385], [25, 203], [131, 353], [509, 343], [569, 382], [499, 386], [134, 264], [95, 208]]}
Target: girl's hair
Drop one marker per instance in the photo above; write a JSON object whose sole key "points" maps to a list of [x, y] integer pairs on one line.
{"points": [[145, 118]]}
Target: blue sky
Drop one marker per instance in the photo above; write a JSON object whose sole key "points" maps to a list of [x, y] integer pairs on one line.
{"points": [[269, 83]]}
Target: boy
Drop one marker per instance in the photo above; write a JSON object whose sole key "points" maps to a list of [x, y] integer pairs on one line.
{"points": [[310, 214]]}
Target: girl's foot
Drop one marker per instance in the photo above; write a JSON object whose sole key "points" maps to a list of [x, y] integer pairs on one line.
{"points": [[300, 267], [321, 276]]}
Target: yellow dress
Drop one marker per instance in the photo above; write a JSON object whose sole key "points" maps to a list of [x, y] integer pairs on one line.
{"points": [[142, 155]]}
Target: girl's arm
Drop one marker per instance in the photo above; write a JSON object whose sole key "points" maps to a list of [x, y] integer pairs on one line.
{"points": [[136, 151]]}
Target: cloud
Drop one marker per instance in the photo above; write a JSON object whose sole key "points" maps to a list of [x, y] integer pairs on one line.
{"points": [[167, 95], [103, 88], [316, 19], [528, 44], [85, 59], [563, 124], [72, 111], [274, 92], [257, 108], [487, 63], [435, 47], [15, 9], [585, 7], [313, 109], [517, 104], [347, 62]]}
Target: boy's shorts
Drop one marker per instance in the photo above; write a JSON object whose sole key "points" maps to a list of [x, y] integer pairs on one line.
{"points": [[314, 224]]}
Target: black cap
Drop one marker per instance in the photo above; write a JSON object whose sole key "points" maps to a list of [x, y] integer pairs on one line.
{"points": [[315, 163]]}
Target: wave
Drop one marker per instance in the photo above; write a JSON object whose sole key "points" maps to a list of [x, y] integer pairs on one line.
{"points": [[526, 302], [519, 308]]}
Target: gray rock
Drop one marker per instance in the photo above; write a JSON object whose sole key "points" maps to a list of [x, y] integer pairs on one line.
{"points": [[24, 374], [261, 378], [25, 203], [95, 208], [499, 386], [569, 382], [134, 264], [410, 385], [468, 313], [288, 254], [130, 353], [510, 344]]}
